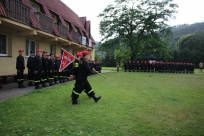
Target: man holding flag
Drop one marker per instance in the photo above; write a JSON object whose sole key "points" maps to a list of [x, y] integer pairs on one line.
{"points": [[82, 83]]}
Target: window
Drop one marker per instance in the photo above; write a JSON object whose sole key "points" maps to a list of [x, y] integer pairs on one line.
{"points": [[73, 52], [52, 49], [3, 45], [30, 46], [34, 8]]}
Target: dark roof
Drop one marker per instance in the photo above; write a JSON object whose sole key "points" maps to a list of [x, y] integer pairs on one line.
{"points": [[64, 13], [2, 11], [33, 17]]}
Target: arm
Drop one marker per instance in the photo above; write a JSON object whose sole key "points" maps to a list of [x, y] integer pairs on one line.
{"points": [[86, 66]]}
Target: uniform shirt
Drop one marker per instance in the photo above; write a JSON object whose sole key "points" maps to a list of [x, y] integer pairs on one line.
{"points": [[20, 63], [44, 64], [84, 69], [37, 63], [30, 63], [57, 64], [51, 64]]}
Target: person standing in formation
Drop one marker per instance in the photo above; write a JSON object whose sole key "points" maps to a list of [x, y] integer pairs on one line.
{"points": [[82, 83], [51, 66], [20, 66], [117, 66], [201, 67], [30, 66], [37, 69], [57, 65], [44, 76]]}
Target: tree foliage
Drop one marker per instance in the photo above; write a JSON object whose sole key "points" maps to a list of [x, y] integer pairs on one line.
{"points": [[136, 20], [191, 47]]}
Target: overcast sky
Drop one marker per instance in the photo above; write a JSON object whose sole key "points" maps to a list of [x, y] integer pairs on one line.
{"points": [[190, 11]]}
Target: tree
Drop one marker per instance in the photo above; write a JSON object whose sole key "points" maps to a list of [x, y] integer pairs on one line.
{"points": [[136, 20], [191, 47]]}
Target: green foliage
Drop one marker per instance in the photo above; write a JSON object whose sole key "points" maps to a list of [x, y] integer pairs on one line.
{"points": [[191, 47], [184, 29], [97, 57], [136, 20], [132, 104]]}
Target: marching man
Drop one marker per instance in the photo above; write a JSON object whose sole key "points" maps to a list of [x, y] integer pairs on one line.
{"points": [[82, 83]]}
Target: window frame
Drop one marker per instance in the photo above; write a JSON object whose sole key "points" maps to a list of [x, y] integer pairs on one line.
{"points": [[34, 7], [6, 45], [53, 46], [73, 52], [27, 55]]}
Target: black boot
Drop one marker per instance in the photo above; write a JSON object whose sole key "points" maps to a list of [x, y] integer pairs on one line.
{"points": [[44, 84], [37, 86], [19, 84], [50, 84], [55, 81], [22, 86], [96, 99], [74, 100], [60, 80]]}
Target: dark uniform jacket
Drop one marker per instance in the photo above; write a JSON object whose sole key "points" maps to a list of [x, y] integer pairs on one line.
{"points": [[84, 69], [57, 64], [44, 64], [51, 64], [20, 63], [37, 63], [30, 63]]}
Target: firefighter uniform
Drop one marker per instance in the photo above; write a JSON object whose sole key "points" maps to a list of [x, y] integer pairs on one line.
{"points": [[83, 83], [20, 66], [51, 66], [57, 65], [44, 76], [30, 66], [37, 69]]}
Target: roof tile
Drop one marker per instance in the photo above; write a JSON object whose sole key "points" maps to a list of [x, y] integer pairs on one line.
{"points": [[2, 10]]}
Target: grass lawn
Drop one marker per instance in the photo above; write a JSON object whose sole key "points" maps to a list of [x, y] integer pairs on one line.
{"points": [[132, 104]]}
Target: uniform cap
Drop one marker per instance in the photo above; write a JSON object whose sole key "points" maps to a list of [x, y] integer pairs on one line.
{"points": [[51, 54], [79, 54], [21, 50], [32, 52], [39, 51], [85, 52], [44, 52], [57, 56]]}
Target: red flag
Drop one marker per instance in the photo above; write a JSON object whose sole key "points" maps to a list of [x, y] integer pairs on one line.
{"points": [[67, 59]]}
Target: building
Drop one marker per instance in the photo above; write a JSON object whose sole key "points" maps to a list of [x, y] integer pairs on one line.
{"points": [[40, 24]]}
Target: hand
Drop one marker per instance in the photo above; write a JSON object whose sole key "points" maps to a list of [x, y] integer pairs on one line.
{"points": [[71, 77], [18, 71], [93, 69], [50, 71], [42, 71], [35, 72]]}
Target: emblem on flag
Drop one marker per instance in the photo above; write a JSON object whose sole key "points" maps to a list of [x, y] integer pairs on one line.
{"points": [[67, 59]]}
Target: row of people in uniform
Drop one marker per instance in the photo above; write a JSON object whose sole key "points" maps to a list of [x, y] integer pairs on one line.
{"points": [[97, 65], [45, 68], [41, 69], [158, 66]]}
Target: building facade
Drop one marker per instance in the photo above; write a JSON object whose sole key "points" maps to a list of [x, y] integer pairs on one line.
{"points": [[40, 24]]}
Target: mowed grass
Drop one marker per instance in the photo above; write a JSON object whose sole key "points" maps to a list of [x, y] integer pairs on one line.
{"points": [[132, 104]]}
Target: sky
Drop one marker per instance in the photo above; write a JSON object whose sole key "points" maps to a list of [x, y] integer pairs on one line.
{"points": [[189, 12]]}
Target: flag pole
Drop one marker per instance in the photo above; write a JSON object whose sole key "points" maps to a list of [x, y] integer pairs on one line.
{"points": [[99, 73]]}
